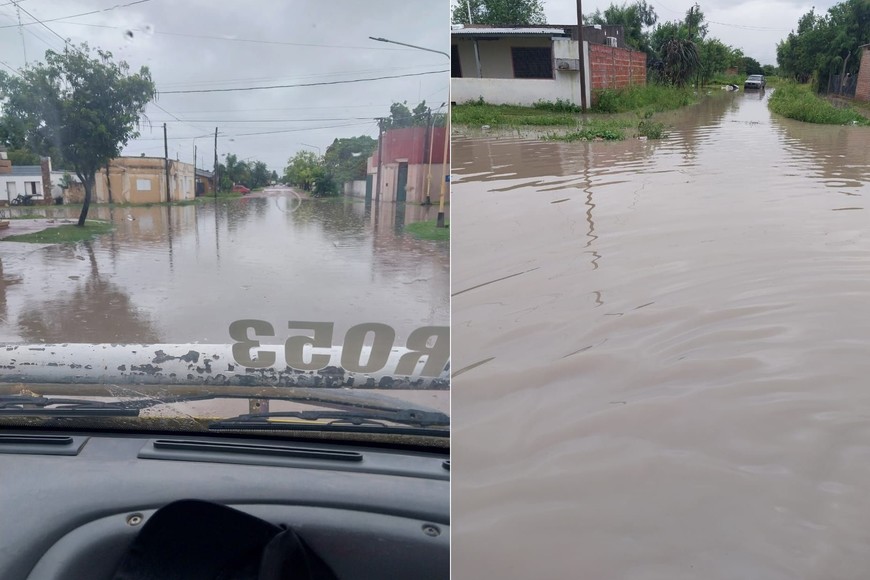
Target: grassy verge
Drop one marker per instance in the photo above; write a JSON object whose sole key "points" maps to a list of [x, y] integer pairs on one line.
{"points": [[65, 233], [428, 231], [480, 113], [800, 103], [643, 99]]}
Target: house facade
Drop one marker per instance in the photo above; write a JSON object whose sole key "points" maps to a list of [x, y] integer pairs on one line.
{"points": [[143, 180], [39, 181], [406, 172], [204, 182], [524, 65]]}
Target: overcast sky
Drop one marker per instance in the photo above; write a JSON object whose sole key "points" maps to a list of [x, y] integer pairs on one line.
{"points": [[259, 42], [755, 26]]}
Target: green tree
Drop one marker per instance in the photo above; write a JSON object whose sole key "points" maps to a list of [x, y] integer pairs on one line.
{"points": [[500, 12], [301, 169], [324, 183], [346, 158], [714, 57], [259, 174], [752, 66], [274, 175], [825, 45], [635, 19], [87, 107]]}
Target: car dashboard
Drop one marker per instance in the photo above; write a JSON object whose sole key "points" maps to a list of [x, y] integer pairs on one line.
{"points": [[71, 503]]}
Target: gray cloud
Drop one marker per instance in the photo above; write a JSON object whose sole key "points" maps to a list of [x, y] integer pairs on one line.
{"points": [[753, 26], [299, 42]]}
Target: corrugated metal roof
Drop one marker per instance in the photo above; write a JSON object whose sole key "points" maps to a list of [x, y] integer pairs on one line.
{"points": [[508, 31], [25, 170]]}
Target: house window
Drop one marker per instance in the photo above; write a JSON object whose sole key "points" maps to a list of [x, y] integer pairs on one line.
{"points": [[143, 184], [532, 62], [455, 66]]}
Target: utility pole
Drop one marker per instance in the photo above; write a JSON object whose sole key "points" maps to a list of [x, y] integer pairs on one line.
{"points": [[380, 158], [580, 52], [215, 176], [166, 162], [430, 128], [194, 170], [445, 175]]}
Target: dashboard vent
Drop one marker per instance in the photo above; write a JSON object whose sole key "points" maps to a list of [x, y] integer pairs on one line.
{"points": [[41, 444], [179, 448]]}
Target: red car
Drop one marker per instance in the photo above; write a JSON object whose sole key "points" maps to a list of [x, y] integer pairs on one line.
{"points": [[238, 188]]}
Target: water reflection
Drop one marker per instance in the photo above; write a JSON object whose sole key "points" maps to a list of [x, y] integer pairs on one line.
{"points": [[184, 273], [668, 332], [93, 310]]}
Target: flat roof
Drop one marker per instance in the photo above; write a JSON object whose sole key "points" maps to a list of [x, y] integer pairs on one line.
{"points": [[509, 31]]}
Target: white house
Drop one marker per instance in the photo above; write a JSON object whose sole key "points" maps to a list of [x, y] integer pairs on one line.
{"points": [[522, 65]]}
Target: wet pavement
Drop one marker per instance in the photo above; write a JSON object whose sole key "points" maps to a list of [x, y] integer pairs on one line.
{"points": [[661, 351]]}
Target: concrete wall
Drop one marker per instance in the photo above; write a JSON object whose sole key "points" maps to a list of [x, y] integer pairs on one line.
{"points": [[862, 88], [355, 188], [415, 190], [143, 180]]}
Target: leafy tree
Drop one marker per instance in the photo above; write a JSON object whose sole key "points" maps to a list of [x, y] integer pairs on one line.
{"points": [[324, 182], [274, 175], [259, 173], [346, 158], [500, 12], [768, 70], [23, 157], [824, 45], [634, 18], [713, 58], [752, 66], [301, 168], [87, 107]]}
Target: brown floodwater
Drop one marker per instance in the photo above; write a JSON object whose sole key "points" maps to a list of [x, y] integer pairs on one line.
{"points": [[182, 274], [662, 351]]}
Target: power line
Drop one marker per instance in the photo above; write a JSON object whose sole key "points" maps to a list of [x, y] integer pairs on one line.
{"points": [[256, 133], [324, 83], [273, 78], [83, 13], [249, 40], [265, 120], [14, 2], [65, 42]]}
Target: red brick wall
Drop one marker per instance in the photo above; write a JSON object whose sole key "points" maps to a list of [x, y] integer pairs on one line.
{"points": [[616, 68], [411, 144], [862, 89]]}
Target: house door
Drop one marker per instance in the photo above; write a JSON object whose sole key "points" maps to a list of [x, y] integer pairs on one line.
{"points": [[11, 191], [369, 179], [402, 183]]}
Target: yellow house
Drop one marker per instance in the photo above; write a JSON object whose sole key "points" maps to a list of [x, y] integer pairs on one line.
{"points": [[143, 180]]}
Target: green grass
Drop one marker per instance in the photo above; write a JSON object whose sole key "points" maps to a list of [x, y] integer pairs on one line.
{"points": [[648, 98], [429, 231], [478, 113], [65, 233], [800, 103]]}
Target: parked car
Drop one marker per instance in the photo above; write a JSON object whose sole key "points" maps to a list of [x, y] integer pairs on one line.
{"points": [[754, 82], [239, 188]]}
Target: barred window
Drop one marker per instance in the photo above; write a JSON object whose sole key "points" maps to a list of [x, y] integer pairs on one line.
{"points": [[455, 66], [532, 62]]}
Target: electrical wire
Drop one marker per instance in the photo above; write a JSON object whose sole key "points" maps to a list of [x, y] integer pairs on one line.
{"points": [[250, 40], [78, 15], [318, 84]]}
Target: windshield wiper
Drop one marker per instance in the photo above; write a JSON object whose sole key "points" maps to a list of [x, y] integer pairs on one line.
{"points": [[409, 417], [30, 405]]}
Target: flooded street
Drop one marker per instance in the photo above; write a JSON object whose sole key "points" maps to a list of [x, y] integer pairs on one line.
{"points": [[182, 274], [662, 351]]}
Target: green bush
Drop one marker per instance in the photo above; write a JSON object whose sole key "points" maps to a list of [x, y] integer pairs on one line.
{"points": [[559, 106], [652, 97], [800, 103]]}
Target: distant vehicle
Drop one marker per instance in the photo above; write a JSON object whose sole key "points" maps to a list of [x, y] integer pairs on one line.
{"points": [[239, 188], [754, 82]]}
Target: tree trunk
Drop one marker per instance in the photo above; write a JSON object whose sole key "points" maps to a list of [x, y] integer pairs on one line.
{"points": [[843, 72], [88, 182], [109, 180]]}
